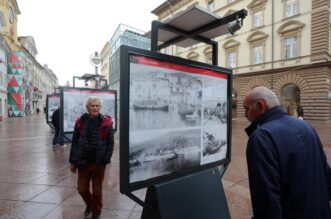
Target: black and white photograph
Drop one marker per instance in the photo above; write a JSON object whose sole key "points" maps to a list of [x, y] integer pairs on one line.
{"points": [[164, 98], [74, 105], [214, 141], [53, 102], [214, 101], [175, 118], [159, 152]]}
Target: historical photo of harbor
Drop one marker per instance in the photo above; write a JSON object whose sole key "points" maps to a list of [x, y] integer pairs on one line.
{"points": [[53, 102], [164, 98], [177, 118], [74, 105], [156, 153], [214, 143]]}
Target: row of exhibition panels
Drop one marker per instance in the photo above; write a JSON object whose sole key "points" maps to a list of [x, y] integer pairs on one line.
{"points": [[174, 116]]}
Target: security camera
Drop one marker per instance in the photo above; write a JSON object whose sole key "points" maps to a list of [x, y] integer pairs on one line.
{"points": [[234, 26]]}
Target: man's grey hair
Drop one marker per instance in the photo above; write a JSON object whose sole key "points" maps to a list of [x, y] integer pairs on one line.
{"points": [[92, 99], [264, 93]]}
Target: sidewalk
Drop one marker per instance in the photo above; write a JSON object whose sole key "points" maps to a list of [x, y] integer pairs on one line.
{"points": [[36, 182]]}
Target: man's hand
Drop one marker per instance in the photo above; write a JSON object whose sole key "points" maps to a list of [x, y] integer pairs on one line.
{"points": [[73, 168]]}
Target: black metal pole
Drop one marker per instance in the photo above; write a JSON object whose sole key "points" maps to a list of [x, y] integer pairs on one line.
{"points": [[154, 37], [215, 53]]}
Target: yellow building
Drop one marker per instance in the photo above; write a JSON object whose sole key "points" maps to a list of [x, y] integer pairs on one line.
{"points": [[105, 54], [8, 22], [284, 45]]}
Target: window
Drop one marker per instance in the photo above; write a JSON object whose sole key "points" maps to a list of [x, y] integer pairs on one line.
{"points": [[193, 56], [291, 8], [178, 49], [257, 54], [232, 59], [209, 58], [208, 52], [210, 6], [290, 47], [2, 21], [231, 48], [291, 40], [258, 19]]}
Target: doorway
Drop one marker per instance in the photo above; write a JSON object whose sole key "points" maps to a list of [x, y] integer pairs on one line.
{"points": [[290, 99]]}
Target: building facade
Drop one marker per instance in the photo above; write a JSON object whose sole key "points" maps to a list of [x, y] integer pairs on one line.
{"points": [[8, 45], [124, 35], [105, 62], [284, 45], [4, 49], [24, 83]]}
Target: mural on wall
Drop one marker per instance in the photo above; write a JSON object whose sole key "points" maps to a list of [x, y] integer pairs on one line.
{"points": [[15, 91]]}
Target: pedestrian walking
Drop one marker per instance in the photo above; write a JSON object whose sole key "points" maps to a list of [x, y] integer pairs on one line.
{"points": [[300, 112], [58, 138], [289, 176], [91, 150]]}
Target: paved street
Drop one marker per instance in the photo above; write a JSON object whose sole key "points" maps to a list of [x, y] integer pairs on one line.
{"points": [[35, 180]]}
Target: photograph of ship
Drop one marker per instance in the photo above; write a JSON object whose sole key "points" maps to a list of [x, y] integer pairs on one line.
{"points": [[74, 105], [164, 98], [165, 153], [214, 143], [53, 102]]}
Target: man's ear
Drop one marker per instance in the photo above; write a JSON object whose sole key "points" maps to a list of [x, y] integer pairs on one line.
{"points": [[262, 106]]}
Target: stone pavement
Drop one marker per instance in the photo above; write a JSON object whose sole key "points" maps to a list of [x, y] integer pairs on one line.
{"points": [[36, 182]]}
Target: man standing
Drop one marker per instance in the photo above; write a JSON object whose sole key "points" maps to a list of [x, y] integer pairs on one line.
{"points": [[289, 177], [57, 139], [91, 149]]}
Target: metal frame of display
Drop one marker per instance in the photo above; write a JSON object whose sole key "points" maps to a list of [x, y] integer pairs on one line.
{"points": [[190, 202]]}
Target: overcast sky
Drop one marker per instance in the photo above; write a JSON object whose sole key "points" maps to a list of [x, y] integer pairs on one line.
{"points": [[68, 32]]}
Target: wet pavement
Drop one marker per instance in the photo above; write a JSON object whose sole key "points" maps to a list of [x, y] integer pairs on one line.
{"points": [[35, 181]]}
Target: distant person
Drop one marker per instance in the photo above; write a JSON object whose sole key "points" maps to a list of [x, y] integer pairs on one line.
{"points": [[58, 138], [38, 110], [91, 150], [300, 112], [289, 177]]}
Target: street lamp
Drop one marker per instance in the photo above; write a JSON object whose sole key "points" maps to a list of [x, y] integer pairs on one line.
{"points": [[96, 61]]}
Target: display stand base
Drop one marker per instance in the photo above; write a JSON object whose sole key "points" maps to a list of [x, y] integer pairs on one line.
{"points": [[196, 196]]}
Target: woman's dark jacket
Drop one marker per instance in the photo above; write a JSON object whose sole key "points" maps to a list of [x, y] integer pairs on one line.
{"points": [[289, 176], [105, 141]]}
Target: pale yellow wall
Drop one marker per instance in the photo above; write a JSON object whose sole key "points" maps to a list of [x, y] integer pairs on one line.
{"points": [[105, 61], [10, 29]]}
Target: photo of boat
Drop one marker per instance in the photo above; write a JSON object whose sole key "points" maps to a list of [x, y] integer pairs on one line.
{"points": [[212, 145], [150, 104], [160, 156]]}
